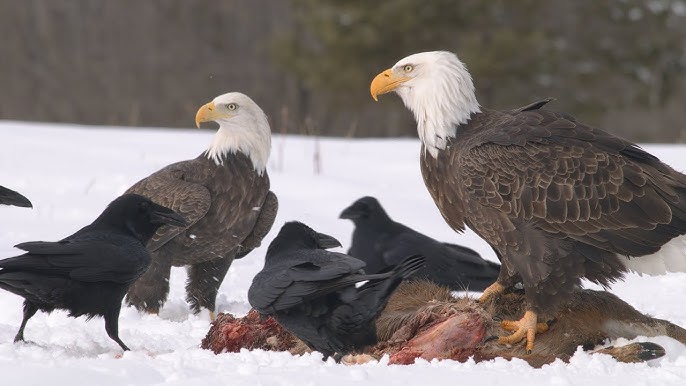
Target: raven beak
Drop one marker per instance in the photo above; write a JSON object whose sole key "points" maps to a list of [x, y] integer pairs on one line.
{"points": [[351, 213], [163, 215], [10, 197], [326, 242], [359, 209]]}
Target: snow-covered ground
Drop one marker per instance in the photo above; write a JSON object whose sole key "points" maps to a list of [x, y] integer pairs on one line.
{"points": [[70, 173]]}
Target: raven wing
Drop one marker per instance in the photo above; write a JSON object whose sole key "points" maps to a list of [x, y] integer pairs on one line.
{"points": [[411, 242], [280, 288], [446, 264], [91, 258]]}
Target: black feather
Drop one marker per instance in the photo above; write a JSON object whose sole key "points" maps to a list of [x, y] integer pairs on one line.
{"points": [[10, 197], [381, 243], [88, 272], [314, 293]]}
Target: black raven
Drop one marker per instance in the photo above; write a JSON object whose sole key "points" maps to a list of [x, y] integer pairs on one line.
{"points": [[382, 242], [315, 294], [10, 197], [88, 272]]}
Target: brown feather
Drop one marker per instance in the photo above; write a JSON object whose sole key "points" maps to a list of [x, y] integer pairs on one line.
{"points": [[558, 200], [230, 209]]}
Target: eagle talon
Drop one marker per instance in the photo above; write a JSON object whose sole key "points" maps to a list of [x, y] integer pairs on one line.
{"points": [[524, 196], [527, 327], [490, 291]]}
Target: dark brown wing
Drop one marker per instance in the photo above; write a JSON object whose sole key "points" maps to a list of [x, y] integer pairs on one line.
{"points": [[168, 188], [237, 193], [263, 225], [549, 171], [532, 106]]}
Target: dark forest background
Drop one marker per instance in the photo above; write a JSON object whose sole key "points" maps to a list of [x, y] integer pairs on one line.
{"points": [[619, 64]]}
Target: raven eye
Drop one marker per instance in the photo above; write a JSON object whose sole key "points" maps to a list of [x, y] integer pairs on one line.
{"points": [[232, 106], [143, 206], [408, 68]]}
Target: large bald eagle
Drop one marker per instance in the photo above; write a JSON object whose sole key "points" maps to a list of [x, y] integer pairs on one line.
{"points": [[223, 193], [557, 200]]}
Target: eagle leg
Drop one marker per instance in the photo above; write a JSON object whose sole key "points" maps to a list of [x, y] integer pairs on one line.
{"points": [[527, 327], [149, 292], [490, 291], [204, 280]]}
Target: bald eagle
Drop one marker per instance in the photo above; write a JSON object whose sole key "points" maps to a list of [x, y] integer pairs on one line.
{"points": [[223, 193], [10, 197], [558, 200]]}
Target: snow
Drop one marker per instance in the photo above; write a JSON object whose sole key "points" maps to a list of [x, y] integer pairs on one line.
{"points": [[71, 172]]}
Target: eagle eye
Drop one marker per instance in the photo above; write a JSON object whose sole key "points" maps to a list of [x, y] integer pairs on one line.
{"points": [[232, 106], [408, 67]]}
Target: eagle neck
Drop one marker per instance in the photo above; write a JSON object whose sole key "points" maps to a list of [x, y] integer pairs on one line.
{"points": [[441, 103], [253, 142]]}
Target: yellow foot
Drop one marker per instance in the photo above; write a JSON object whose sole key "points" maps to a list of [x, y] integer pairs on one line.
{"points": [[357, 359], [490, 291], [526, 327]]}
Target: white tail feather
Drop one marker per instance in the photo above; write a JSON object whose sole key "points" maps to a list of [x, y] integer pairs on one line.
{"points": [[670, 258]]}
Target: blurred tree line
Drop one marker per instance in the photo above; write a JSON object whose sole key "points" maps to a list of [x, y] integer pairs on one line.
{"points": [[619, 64]]}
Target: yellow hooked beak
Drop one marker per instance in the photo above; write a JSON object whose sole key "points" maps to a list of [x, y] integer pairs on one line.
{"points": [[208, 112], [385, 82]]}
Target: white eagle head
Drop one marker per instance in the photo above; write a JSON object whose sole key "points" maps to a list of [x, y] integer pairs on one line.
{"points": [[437, 88], [243, 127]]}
